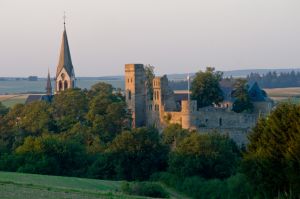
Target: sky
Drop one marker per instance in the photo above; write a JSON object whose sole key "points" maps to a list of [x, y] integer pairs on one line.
{"points": [[175, 36]]}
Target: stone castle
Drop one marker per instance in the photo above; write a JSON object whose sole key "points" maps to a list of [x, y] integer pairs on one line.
{"points": [[165, 106], [171, 107]]}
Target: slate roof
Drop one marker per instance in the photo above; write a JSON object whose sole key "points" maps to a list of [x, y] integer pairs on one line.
{"points": [[257, 94], [65, 60], [34, 98]]}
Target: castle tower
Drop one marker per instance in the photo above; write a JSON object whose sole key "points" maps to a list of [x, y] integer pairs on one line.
{"points": [[157, 95], [188, 108], [136, 93], [49, 86], [65, 76]]}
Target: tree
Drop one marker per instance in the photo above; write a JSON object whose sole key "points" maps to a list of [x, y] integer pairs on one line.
{"points": [[69, 107], [107, 112], [138, 154], [36, 118], [240, 93], [149, 72], [205, 155], [206, 89], [272, 160], [173, 134]]}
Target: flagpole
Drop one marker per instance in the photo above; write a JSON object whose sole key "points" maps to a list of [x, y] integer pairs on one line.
{"points": [[188, 78]]}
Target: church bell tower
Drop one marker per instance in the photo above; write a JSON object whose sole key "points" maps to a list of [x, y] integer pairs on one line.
{"points": [[65, 76]]}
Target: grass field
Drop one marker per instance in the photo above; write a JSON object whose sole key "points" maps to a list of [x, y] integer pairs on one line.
{"points": [[32, 186]]}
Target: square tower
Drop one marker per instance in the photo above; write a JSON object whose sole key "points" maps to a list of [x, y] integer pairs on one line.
{"points": [[136, 92]]}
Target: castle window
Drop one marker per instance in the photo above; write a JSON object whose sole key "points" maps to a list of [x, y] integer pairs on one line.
{"points": [[128, 80], [131, 80], [220, 121], [59, 85], [206, 120], [65, 85]]}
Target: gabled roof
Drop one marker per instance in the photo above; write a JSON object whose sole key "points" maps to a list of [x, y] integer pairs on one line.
{"points": [[34, 98], [65, 60], [257, 94]]}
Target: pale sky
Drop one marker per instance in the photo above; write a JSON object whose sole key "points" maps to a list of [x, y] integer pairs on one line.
{"points": [[176, 36]]}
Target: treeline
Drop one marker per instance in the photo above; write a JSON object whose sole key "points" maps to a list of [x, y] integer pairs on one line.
{"points": [[87, 133], [275, 80], [268, 80]]}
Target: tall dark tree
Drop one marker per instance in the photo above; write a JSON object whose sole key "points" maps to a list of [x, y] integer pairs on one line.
{"points": [[206, 88], [149, 71], [272, 161], [242, 102]]}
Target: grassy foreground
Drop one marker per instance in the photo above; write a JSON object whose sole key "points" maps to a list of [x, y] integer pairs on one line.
{"points": [[31, 186]]}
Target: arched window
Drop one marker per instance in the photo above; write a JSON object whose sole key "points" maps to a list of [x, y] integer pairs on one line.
{"points": [[129, 95], [65, 85], [59, 85], [220, 121]]}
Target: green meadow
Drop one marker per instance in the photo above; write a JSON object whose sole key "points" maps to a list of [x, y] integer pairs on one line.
{"points": [[33, 186]]}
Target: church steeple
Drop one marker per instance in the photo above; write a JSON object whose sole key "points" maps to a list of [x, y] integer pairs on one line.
{"points": [[65, 76], [49, 86]]}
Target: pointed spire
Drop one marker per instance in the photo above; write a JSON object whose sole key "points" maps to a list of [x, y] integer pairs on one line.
{"points": [[65, 60], [49, 87], [65, 20]]}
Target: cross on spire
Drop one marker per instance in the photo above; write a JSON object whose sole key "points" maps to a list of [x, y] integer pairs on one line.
{"points": [[64, 19]]}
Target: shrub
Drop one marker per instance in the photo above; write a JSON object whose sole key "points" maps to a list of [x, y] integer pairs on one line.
{"points": [[148, 189], [236, 186]]}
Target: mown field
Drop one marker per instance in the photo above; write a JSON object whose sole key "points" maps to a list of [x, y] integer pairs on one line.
{"points": [[284, 94], [33, 186]]}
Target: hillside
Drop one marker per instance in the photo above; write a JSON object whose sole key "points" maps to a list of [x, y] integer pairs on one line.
{"points": [[31, 186]]}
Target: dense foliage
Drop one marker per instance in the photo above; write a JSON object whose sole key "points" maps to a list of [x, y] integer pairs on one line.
{"points": [[87, 133], [206, 89]]}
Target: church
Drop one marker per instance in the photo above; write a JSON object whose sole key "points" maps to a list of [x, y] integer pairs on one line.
{"points": [[65, 75]]}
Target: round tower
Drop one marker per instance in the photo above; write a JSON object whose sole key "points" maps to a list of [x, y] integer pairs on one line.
{"points": [[187, 110]]}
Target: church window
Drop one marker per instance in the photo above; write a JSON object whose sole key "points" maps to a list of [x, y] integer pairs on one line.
{"points": [[59, 85], [65, 85], [220, 121]]}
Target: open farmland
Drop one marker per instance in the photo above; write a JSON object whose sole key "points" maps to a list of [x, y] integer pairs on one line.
{"points": [[283, 94]]}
